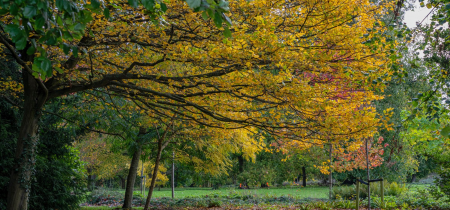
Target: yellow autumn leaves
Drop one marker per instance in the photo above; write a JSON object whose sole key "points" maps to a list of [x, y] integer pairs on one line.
{"points": [[302, 69]]}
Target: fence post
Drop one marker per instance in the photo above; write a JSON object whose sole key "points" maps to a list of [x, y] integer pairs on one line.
{"points": [[382, 192], [357, 194]]}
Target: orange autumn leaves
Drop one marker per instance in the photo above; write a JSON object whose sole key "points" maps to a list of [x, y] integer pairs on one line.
{"points": [[354, 157]]}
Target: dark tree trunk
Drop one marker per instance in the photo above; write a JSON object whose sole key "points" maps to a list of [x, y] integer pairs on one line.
{"points": [[155, 173], [413, 178], [241, 163], [122, 182], [127, 202], [91, 180], [303, 176], [20, 179]]}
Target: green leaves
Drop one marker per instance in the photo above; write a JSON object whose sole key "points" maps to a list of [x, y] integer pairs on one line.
{"points": [[224, 5], [31, 50], [21, 43], [447, 6], [66, 48], [227, 32], [79, 27], [39, 23], [106, 13], [13, 31], [70, 22], [29, 11], [148, 4], [194, 3], [133, 3], [218, 19], [46, 66], [95, 4], [14, 9], [445, 132], [43, 66], [18, 36], [163, 7]]}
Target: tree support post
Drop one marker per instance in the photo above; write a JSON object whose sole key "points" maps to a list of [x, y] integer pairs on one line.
{"points": [[357, 194], [331, 172], [173, 174], [368, 172], [382, 192]]}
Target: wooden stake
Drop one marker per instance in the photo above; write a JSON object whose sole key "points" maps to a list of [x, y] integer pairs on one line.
{"points": [[357, 194], [331, 172], [368, 172], [382, 192], [173, 174]]}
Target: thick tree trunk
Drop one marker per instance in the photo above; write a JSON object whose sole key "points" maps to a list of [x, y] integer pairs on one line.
{"points": [[303, 176], [127, 202], [155, 173], [19, 184]]}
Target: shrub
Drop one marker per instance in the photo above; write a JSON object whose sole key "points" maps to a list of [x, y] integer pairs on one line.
{"points": [[349, 192], [443, 181], [105, 197], [323, 205], [201, 203], [344, 192], [344, 204], [389, 202], [214, 203]]}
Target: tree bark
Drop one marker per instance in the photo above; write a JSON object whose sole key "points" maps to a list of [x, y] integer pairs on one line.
{"points": [[241, 163], [127, 202], [303, 176], [413, 178], [91, 180], [20, 179], [155, 173], [122, 182]]}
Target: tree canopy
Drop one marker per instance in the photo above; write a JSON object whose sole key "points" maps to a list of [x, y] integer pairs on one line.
{"points": [[300, 70]]}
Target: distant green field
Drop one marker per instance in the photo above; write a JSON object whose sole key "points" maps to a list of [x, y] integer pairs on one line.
{"points": [[297, 192]]}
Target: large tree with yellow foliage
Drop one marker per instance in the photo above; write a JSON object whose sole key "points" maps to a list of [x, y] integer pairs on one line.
{"points": [[175, 63]]}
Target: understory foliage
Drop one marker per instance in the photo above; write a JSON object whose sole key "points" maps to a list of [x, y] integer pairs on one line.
{"points": [[349, 192], [59, 176], [430, 108], [242, 199]]}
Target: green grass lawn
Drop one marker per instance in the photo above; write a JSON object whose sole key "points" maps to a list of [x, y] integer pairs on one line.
{"points": [[297, 192], [415, 187]]}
